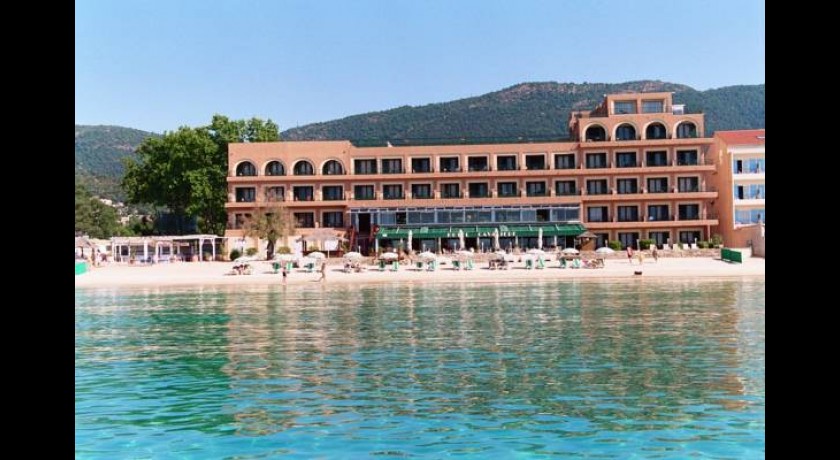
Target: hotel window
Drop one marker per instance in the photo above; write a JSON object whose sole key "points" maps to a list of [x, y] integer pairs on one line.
{"points": [[629, 239], [304, 168], [450, 217], [478, 216], [392, 192], [626, 186], [334, 219], [625, 132], [477, 164], [421, 191], [275, 194], [364, 166], [303, 193], [597, 214], [506, 163], [626, 159], [393, 166], [479, 190], [450, 191], [749, 216], [305, 219], [417, 217], [653, 106], [689, 211], [333, 168], [596, 187], [624, 107], [507, 189], [659, 158], [508, 215], [628, 213], [658, 212], [534, 162], [689, 237], [363, 192], [565, 188], [421, 165], [659, 238], [686, 130], [274, 168], [564, 161], [596, 160], [449, 164], [246, 168], [687, 157], [332, 192], [535, 189], [688, 184], [246, 194], [657, 185], [656, 131]]}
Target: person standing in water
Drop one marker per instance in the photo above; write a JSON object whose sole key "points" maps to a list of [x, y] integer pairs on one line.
{"points": [[323, 272], [630, 254]]}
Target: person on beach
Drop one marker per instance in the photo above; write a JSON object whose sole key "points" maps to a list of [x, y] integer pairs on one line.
{"points": [[284, 274], [641, 257], [323, 272], [630, 254], [655, 254]]}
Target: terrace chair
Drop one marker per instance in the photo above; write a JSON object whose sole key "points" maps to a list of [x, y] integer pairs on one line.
{"points": [[666, 247], [395, 266], [382, 265], [529, 264], [469, 265], [576, 263], [540, 263], [563, 262], [456, 264]]}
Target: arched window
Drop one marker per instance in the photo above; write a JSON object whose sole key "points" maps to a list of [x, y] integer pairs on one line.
{"points": [[596, 134], [246, 168], [304, 168], [625, 132], [655, 131], [275, 168], [333, 168], [686, 130]]}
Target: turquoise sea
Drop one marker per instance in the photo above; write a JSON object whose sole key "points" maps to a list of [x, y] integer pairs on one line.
{"points": [[643, 369]]}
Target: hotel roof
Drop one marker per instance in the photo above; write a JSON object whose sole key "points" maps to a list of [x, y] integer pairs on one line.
{"points": [[742, 137]]}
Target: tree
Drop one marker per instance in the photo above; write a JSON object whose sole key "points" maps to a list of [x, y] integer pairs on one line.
{"points": [[186, 170], [270, 222], [93, 217]]}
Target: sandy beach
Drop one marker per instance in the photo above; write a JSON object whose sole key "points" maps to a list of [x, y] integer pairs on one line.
{"points": [[216, 273]]}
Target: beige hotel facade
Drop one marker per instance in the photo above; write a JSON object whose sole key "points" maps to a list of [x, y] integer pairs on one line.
{"points": [[635, 167]]}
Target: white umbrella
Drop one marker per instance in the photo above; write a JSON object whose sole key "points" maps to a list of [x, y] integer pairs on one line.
{"points": [[465, 254], [353, 255], [244, 259], [604, 250], [408, 245], [316, 255], [389, 256], [570, 251], [500, 255], [496, 238], [460, 238], [539, 238], [426, 255], [536, 251], [284, 257]]}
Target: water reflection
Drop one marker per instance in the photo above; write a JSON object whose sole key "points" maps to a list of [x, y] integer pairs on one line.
{"points": [[393, 370]]}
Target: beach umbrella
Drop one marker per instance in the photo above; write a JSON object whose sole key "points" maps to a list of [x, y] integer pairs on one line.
{"points": [[536, 251], [570, 251], [465, 254], [539, 238], [284, 257], [389, 256], [426, 255], [500, 255], [317, 255], [408, 244], [604, 250], [244, 259], [496, 239], [460, 238], [353, 255]]}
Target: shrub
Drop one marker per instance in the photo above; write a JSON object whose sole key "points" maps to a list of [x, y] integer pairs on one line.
{"points": [[251, 251], [717, 240], [235, 254], [614, 245], [703, 245], [645, 244], [283, 250]]}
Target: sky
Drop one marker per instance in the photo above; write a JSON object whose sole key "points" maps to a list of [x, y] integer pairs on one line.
{"points": [[158, 65]]}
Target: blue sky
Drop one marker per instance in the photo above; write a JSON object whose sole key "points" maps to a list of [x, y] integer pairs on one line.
{"points": [[157, 65]]}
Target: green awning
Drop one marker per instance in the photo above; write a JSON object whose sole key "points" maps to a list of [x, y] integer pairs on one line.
{"points": [[472, 231]]}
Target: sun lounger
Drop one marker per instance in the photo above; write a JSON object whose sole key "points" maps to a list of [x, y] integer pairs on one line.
{"points": [[395, 266], [470, 265], [456, 264], [529, 264], [540, 263], [382, 265]]}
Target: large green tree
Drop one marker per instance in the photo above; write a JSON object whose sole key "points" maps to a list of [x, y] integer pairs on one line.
{"points": [[186, 170], [270, 222], [94, 218]]}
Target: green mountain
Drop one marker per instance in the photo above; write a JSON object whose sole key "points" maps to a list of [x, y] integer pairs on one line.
{"points": [[534, 110], [99, 154]]}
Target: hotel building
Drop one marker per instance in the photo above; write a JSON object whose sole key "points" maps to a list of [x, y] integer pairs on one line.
{"points": [[740, 178], [636, 167]]}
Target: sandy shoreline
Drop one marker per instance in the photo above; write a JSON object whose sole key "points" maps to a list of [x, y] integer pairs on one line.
{"points": [[215, 273]]}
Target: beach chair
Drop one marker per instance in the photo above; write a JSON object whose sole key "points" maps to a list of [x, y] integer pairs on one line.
{"points": [[529, 264], [382, 265], [430, 266], [276, 267], [310, 267], [470, 265], [395, 266], [456, 264], [419, 265], [540, 263], [576, 263], [563, 263]]}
